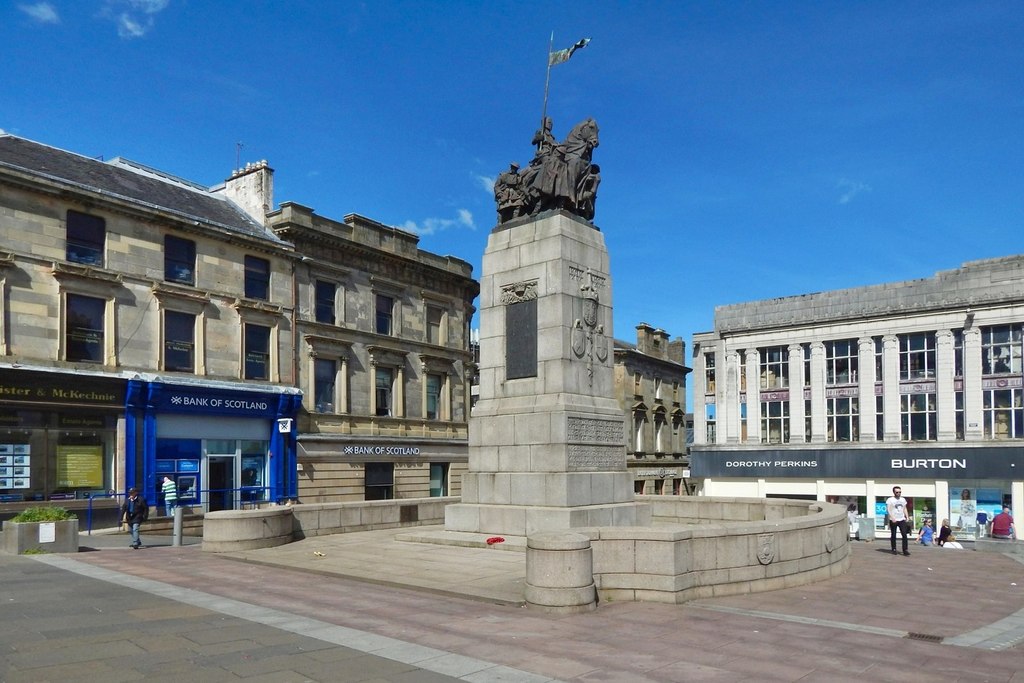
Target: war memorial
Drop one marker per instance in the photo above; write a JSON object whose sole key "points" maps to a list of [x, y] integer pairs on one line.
{"points": [[547, 471]]}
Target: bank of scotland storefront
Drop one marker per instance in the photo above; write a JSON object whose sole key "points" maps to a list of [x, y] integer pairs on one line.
{"points": [[224, 445]]}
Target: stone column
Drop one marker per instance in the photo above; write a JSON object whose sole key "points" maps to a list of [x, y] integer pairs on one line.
{"points": [[974, 429], [866, 388], [946, 408], [796, 394], [890, 388], [819, 420], [753, 396], [731, 419]]}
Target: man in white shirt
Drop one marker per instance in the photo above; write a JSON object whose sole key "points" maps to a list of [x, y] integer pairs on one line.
{"points": [[899, 517]]}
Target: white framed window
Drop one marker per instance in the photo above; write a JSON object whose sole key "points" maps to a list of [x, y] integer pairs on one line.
{"points": [[774, 367], [917, 356], [918, 417], [841, 361], [843, 418], [1001, 349], [774, 421]]}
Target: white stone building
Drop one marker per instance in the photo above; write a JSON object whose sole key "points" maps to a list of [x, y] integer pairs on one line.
{"points": [[913, 383]]}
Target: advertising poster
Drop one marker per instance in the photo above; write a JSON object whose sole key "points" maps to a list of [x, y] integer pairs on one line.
{"points": [[963, 509], [80, 466]]}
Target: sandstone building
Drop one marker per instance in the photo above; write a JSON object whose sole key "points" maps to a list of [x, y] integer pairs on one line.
{"points": [[650, 384], [152, 326]]}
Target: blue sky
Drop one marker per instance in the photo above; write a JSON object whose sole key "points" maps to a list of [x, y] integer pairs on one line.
{"points": [[748, 150]]}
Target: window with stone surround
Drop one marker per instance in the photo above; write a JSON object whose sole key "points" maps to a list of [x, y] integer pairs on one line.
{"points": [[918, 417], [841, 361], [433, 409], [435, 325], [179, 260], [85, 238], [179, 341], [84, 329], [958, 353], [325, 302], [256, 352], [843, 418], [774, 421], [710, 422], [709, 373], [1003, 412], [325, 380], [257, 278], [774, 367], [1001, 349], [917, 356], [384, 391], [385, 312]]}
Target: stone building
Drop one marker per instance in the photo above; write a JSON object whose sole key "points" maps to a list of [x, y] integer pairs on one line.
{"points": [[841, 395], [650, 385], [145, 330], [152, 326], [384, 359]]}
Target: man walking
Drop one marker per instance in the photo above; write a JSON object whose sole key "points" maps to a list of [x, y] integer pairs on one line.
{"points": [[135, 511], [896, 509]]}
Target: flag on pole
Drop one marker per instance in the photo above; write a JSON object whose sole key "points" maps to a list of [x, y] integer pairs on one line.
{"points": [[560, 56]]}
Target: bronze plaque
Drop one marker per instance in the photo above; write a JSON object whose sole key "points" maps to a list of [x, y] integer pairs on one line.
{"points": [[521, 339]]}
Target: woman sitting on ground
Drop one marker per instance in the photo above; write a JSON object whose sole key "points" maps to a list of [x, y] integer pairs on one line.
{"points": [[946, 537]]}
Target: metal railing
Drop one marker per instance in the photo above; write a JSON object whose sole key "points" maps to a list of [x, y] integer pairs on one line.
{"points": [[239, 498]]}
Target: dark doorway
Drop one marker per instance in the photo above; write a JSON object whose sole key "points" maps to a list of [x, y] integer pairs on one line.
{"points": [[221, 483]]}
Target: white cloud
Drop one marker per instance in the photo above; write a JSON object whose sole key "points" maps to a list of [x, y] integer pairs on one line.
{"points": [[486, 182], [134, 18], [43, 12], [850, 189], [430, 226]]}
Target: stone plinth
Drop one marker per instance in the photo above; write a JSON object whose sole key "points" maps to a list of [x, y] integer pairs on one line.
{"points": [[547, 437]]}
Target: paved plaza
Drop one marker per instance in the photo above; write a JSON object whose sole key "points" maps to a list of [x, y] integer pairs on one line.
{"points": [[367, 607]]}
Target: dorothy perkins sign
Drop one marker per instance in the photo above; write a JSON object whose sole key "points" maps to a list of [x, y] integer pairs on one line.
{"points": [[861, 463]]}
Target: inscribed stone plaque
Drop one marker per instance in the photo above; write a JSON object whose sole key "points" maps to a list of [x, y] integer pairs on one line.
{"points": [[589, 458], [521, 339]]}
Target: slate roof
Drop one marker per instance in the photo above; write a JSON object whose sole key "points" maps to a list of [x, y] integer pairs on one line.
{"points": [[129, 181]]}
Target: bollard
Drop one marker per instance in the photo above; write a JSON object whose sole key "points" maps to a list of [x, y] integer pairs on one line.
{"points": [[560, 573], [178, 516]]}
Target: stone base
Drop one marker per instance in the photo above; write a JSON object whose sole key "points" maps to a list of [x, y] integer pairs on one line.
{"points": [[523, 520]]}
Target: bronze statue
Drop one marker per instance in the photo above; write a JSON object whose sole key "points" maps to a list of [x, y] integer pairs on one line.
{"points": [[560, 176]]}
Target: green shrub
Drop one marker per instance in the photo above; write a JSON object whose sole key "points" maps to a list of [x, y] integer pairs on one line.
{"points": [[43, 514]]}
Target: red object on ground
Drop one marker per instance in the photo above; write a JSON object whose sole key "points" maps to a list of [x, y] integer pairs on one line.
{"points": [[495, 539]]}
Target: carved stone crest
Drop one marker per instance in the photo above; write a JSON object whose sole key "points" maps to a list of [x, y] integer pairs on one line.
{"points": [[765, 548], [518, 292], [587, 338]]}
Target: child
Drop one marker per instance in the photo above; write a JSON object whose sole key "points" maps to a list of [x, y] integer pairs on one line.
{"points": [[925, 535]]}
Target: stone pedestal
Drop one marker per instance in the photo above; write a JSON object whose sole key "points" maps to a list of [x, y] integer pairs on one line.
{"points": [[547, 437]]}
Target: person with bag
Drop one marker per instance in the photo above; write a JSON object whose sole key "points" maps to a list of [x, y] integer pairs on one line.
{"points": [[899, 518], [134, 512]]}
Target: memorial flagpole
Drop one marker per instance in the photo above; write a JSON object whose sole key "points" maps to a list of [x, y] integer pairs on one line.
{"points": [[547, 82]]}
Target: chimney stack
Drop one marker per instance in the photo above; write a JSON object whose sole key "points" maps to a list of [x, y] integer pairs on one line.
{"points": [[252, 188]]}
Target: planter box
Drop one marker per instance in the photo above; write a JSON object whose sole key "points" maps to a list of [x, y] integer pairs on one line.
{"points": [[51, 537]]}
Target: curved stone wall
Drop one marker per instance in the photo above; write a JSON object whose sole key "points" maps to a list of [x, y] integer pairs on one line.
{"points": [[701, 547], [230, 530]]}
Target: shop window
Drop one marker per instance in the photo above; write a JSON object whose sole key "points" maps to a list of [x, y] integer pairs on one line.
{"points": [[1003, 413], [380, 481], [1001, 349], [435, 382], [774, 367], [435, 319], [384, 391], [917, 417], [841, 361], [179, 341], [257, 278], [84, 337], [774, 421], [917, 356], [85, 239], [257, 352], [325, 294], [179, 260], [843, 419], [325, 377], [385, 306], [438, 479]]}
